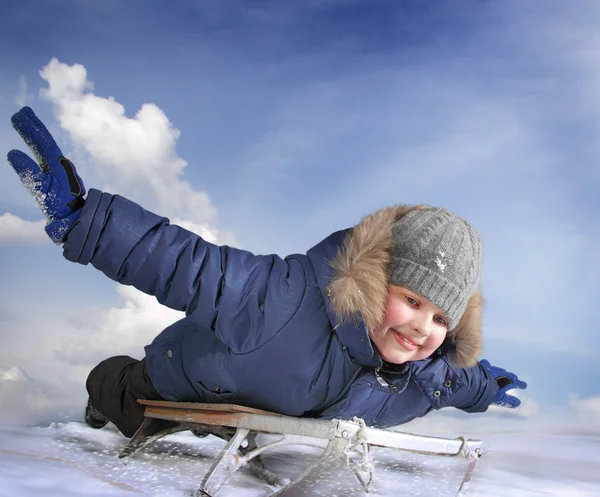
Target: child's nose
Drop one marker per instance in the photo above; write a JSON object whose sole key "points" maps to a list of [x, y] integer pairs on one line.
{"points": [[422, 324]]}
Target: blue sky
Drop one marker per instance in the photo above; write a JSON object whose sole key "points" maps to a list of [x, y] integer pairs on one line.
{"points": [[270, 124]]}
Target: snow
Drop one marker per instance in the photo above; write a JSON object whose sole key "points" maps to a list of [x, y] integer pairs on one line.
{"points": [[528, 453], [524, 457]]}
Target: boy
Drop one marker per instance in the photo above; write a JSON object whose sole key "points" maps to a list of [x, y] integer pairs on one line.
{"points": [[380, 321]]}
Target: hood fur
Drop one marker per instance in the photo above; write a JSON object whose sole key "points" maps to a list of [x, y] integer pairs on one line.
{"points": [[359, 285]]}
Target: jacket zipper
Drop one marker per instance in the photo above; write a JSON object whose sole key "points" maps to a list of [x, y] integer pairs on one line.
{"points": [[381, 381]]}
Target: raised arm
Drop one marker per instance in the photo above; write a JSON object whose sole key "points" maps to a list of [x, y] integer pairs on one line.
{"points": [[243, 297]]}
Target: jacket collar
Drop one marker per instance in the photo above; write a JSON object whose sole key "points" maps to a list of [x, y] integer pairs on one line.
{"points": [[353, 333]]}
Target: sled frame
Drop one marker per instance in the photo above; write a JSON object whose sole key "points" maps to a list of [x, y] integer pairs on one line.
{"points": [[346, 443]]}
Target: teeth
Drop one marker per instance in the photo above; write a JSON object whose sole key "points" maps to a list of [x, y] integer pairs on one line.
{"points": [[412, 344], [406, 340]]}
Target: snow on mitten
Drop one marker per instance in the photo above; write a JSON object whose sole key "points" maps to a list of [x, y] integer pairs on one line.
{"points": [[52, 180]]}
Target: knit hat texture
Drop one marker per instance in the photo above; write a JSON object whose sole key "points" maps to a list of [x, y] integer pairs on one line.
{"points": [[438, 255]]}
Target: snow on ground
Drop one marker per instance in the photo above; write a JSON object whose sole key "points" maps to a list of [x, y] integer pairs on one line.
{"points": [[524, 459]]}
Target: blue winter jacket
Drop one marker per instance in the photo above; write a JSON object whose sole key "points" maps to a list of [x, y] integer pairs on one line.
{"points": [[260, 330]]}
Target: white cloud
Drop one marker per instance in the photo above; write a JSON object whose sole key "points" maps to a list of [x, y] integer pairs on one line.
{"points": [[22, 400], [120, 330], [587, 410], [133, 155], [14, 230]]}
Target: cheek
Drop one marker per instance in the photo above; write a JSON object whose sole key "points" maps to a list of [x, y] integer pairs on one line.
{"points": [[436, 338], [395, 313]]}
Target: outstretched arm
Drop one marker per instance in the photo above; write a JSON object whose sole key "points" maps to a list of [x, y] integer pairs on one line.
{"points": [[182, 270], [243, 297]]}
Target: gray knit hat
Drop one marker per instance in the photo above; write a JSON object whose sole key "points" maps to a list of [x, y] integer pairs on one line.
{"points": [[438, 255]]}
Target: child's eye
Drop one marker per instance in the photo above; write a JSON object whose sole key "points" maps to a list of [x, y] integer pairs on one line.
{"points": [[440, 320], [411, 301]]}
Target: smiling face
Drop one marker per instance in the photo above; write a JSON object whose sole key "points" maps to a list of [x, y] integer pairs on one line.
{"points": [[412, 328]]}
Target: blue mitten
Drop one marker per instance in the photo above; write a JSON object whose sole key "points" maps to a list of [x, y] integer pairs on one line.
{"points": [[52, 181], [506, 381]]}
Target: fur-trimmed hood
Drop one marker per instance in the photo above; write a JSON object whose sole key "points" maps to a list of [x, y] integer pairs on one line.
{"points": [[359, 284]]}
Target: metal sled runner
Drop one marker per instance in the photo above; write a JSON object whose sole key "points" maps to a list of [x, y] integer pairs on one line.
{"points": [[346, 443]]}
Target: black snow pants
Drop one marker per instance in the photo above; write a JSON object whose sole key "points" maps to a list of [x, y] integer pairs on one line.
{"points": [[114, 386]]}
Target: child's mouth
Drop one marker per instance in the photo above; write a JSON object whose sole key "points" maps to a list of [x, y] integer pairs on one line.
{"points": [[404, 341]]}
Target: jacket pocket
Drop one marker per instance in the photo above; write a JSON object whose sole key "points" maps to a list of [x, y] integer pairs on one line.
{"points": [[215, 394], [165, 369]]}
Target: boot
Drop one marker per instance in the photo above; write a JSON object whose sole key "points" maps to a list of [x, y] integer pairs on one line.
{"points": [[200, 433], [93, 417]]}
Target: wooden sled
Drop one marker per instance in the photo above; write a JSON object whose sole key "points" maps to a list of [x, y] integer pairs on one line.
{"points": [[346, 443]]}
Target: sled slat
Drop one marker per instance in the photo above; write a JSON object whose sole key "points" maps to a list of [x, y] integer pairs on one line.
{"points": [[263, 423], [198, 406]]}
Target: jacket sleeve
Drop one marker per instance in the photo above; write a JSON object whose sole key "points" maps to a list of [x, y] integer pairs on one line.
{"points": [[478, 390], [245, 298]]}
